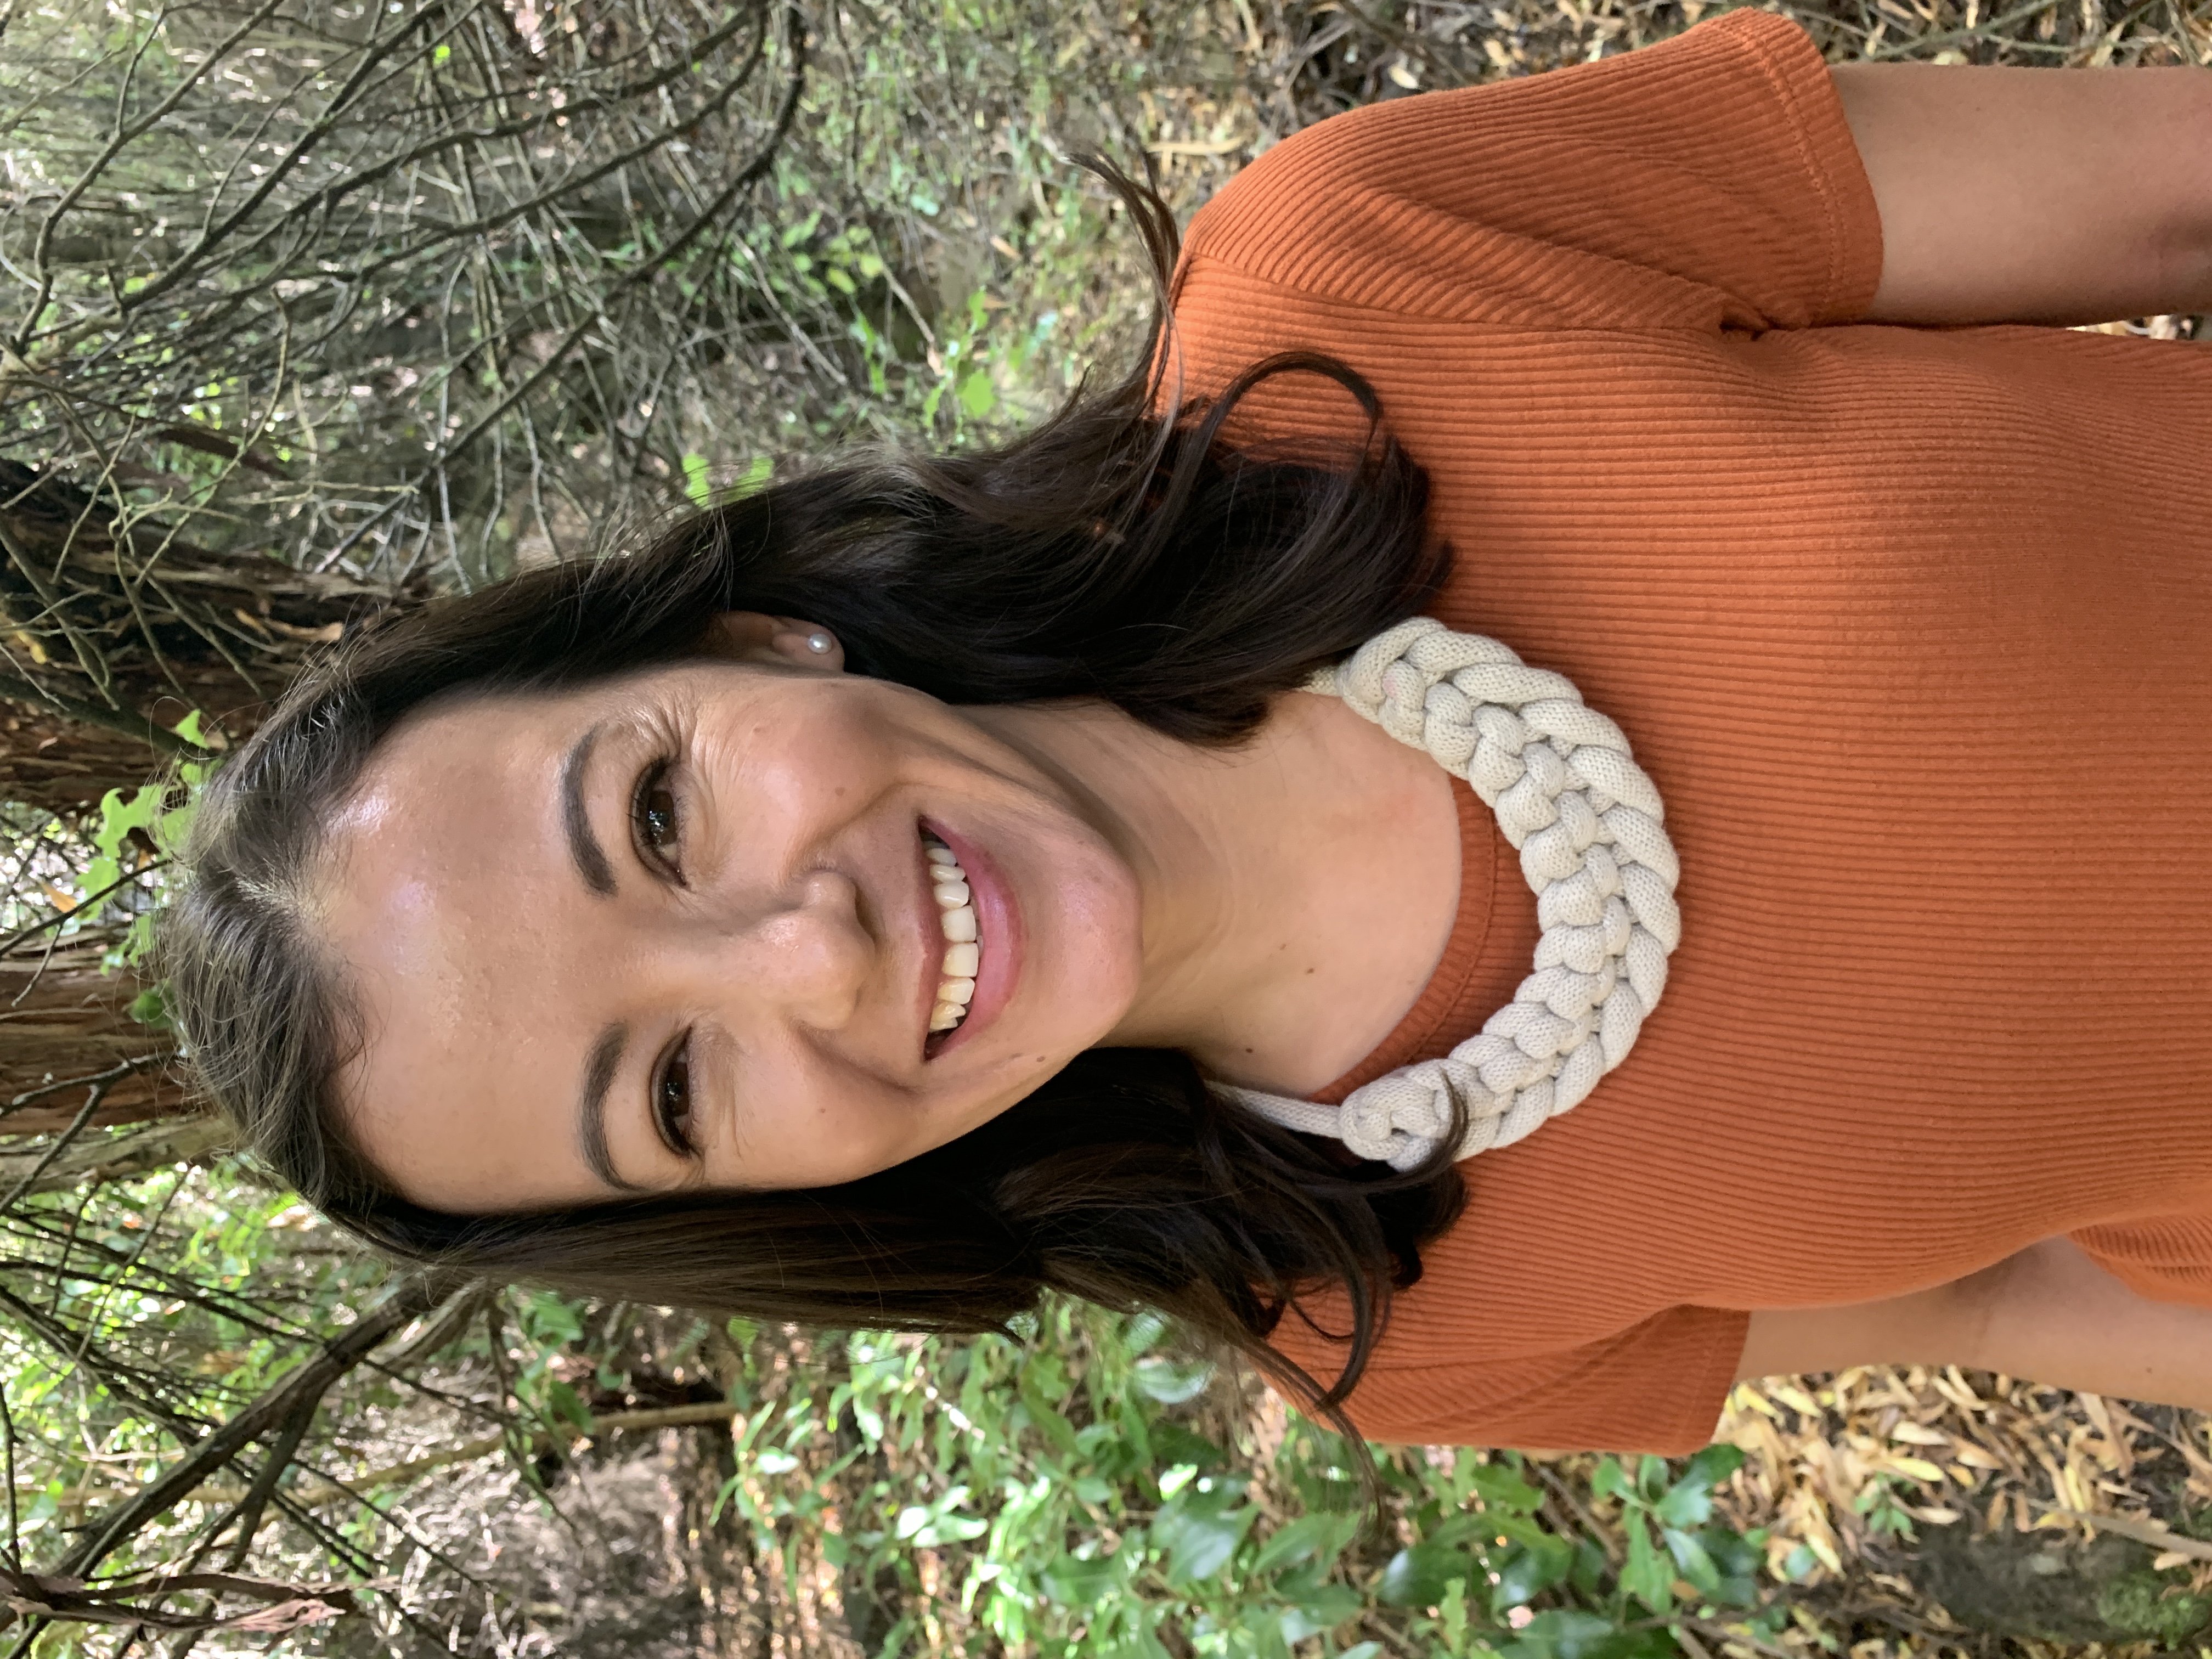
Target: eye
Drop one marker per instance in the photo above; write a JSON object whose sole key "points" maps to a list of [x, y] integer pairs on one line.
{"points": [[653, 820], [671, 1101]]}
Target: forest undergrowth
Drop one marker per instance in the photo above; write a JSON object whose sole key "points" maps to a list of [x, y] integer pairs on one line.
{"points": [[505, 1473]]}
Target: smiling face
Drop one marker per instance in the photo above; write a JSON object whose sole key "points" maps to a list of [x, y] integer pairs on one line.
{"points": [[680, 929]]}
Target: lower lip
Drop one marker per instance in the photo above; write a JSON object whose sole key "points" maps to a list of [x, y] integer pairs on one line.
{"points": [[999, 927]]}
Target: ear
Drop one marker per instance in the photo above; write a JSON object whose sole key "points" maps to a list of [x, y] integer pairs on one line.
{"points": [[776, 642]]}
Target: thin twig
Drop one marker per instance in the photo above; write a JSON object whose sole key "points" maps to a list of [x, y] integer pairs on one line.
{"points": [[1407, 41], [2144, 1531], [1985, 31], [14, 1520], [82, 908], [93, 1097], [159, 740], [110, 1076], [217, 1449]]}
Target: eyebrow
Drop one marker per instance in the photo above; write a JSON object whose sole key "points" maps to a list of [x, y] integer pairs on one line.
{"points": [[583, 846], [592, 1107]]}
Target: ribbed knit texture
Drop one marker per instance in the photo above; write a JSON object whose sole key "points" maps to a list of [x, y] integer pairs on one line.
{"points": [[1913, 630]]}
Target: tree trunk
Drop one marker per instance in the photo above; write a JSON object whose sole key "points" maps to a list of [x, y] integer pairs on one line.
{"points": [[111, 632], [66, 1028]]}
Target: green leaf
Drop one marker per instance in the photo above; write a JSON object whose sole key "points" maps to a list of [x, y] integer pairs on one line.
{"points": [[1324, 1610], [1048, 1422], [1417, 1577], [1566, 1633], [697, 484], [978, 397], [119, 817], [568, 1404], [150, 1007], [1736, 1561], [1310, 1537], [1173, 1444], [1691, 1557], [1147, 1328], [1077, 1583], [550, 1321], [699, 487], [1500, 1488], [1590, 1569], [1687, 1502], [1205, 1545], [1170, 1383], [1136, 1442], [1528, 1571], [1611, 1481], [1647, 1575], [952, 1529], [1714, 1464], [1200, 1530]]}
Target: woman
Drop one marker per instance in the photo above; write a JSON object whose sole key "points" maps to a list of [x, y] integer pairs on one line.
{"points": [[849, 908]]}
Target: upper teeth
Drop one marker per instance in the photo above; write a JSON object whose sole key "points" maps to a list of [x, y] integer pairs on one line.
{"points": [[955, 914]]}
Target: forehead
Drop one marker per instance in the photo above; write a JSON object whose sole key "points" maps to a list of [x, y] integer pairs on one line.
{"points": [[448, 894], [467, 772], [452, 794]]}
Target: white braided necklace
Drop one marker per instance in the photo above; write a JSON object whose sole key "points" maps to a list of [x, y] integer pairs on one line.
{"points": [[1589, 826]]}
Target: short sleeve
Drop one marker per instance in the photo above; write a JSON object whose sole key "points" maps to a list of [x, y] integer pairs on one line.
{"points": [[1708, 181], [2166, 1258], [1657, 1387]]}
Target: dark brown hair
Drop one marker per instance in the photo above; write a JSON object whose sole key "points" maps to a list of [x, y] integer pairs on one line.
{"points": [[1115, 553]]}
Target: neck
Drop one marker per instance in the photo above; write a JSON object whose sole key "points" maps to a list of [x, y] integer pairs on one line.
{"points": [[1297, 891]]}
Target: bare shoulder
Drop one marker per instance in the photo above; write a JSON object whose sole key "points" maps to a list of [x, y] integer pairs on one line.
{"points": [[1934, 1326], [2049, 1312], [2035, 195]]}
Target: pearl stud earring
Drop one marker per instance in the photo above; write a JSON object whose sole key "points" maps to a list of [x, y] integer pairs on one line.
{"points": [[819, 643]]}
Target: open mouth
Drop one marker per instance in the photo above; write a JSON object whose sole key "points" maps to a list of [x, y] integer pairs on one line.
{"points": [[963, 954]]}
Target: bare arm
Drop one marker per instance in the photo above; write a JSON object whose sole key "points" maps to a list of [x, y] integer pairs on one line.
{"points": [[2049, 1313], [2036, 195]]}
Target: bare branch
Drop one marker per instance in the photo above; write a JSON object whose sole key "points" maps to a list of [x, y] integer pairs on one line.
{"points": [[214, 1451]]}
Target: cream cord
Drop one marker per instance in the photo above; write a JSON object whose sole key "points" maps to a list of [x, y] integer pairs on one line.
{"points": [[1588, 827]]}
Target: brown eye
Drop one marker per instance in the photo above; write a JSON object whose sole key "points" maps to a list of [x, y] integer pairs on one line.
{"points": [[672, 1102], [653, 817], [660, 820]]}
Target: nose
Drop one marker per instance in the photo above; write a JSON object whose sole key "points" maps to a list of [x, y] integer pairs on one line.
{"points": [[802, 956]]}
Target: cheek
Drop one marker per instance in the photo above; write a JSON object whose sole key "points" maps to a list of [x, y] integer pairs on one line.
{"points": [[802, 764], [822, 1130], [1098, 922]]}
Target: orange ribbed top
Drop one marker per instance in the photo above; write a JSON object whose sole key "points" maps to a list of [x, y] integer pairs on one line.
{"points": [[1911, 627]]}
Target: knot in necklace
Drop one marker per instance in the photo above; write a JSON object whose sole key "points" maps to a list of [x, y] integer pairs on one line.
{"points": [[1589, 827]]}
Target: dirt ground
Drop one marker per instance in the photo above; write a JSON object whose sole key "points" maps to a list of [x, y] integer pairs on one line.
{"points": [[1944, 1514]]}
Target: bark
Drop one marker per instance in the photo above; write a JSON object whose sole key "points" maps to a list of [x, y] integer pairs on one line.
{"points": [[64, 1022], [111, 632]]}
